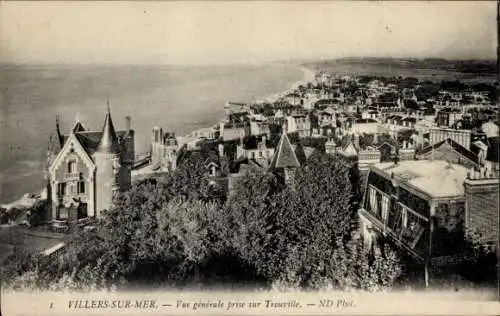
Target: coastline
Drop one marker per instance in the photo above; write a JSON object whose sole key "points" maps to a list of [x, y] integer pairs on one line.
{"points": [[25, 202], [308, 76]]}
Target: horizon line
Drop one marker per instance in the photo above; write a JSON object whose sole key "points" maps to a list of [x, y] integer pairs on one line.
{"points": [[242, 63]]}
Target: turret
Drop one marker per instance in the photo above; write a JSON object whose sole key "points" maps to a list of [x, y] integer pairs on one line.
{"points": [[109, 142], [108, 165], [285, 161]]}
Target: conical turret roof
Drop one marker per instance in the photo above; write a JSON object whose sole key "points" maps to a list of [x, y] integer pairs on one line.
{"points": [[284, 156], [109, 141]]}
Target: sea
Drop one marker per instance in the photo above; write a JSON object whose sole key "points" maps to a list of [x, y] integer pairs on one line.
{"points": [[177, 98]]}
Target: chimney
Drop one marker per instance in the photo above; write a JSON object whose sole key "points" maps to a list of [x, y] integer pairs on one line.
{"points": [[375, 138], [356, 141], [481, 193], [128, 125], [221, 150]]}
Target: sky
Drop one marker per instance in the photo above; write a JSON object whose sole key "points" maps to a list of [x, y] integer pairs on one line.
{"points": [[173, 32]]}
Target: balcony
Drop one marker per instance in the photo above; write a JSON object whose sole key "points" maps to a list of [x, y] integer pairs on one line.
{"points": [[403, 236]]}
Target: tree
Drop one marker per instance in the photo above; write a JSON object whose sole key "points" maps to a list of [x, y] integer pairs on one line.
{"points": [[353, 267], [190, 180], [160, 234], [310, 216], [285, 233], [250, 217]]}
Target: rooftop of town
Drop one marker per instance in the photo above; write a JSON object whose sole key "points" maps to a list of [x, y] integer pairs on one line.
{"points": [[436, 178]]}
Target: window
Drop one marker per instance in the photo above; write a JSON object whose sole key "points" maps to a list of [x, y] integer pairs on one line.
{"points": [[404, 216], [414, 229], [385, 207], [373, 201], [414, 202], [61, 188], [395, 219], [81, 187], [71, 166]]}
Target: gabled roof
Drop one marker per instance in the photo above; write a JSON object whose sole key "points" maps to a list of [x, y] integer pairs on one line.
{"points": [[284, 156], [350, 150], [78, 147], [90, 139], [456, 146], [78, 127]]}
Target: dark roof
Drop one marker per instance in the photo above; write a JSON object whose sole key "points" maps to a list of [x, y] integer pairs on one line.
{"points": [[54, 144], [394, 117], [456, 146], [109, 141], [410, 119], [90, 139], [300, 153], [368, 120], [386, 143], [78, 127], [386, 139], [243, 164], [284, 156], [252, 142], [492, 154]]}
